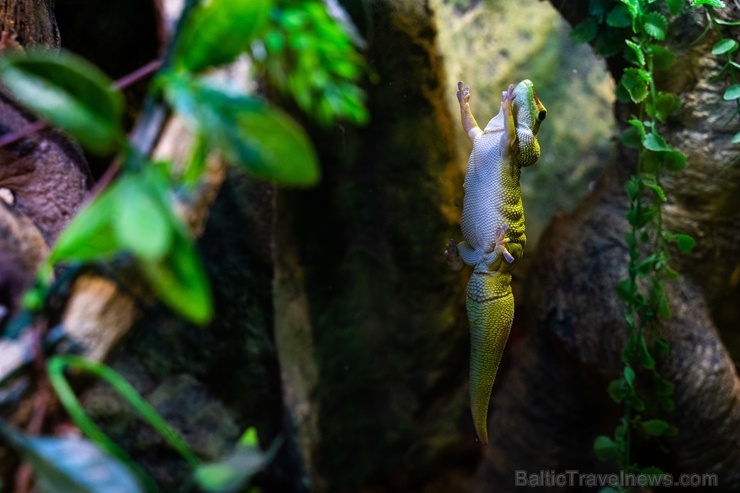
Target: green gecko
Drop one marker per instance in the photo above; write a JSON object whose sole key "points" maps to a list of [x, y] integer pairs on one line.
{"points": [[493, 227]]}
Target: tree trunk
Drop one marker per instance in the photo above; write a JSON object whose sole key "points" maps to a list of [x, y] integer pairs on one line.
{"points": [[364, 250]]}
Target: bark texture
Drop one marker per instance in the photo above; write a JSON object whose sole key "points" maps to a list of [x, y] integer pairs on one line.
{"points": [[32, 21], [553, 402], [385, 314]]}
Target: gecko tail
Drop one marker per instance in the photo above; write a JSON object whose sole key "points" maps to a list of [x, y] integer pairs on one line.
{"points": [[490, 324]]}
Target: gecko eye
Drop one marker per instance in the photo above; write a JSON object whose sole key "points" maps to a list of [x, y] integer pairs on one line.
{"points": [[541, 115]]}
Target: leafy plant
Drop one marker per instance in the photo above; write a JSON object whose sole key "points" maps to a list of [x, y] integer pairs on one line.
{"points": [[635, 29], [726, 48], [305, 53]]}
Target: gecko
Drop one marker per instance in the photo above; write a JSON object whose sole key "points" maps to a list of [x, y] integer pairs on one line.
{"points": [[492, 225]]}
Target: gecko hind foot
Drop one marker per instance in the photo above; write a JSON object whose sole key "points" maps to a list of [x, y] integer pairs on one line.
{"points": [[453, 256], [501, 241]]}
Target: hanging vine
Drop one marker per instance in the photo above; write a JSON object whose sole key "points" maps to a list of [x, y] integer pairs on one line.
{"points": [[636, 29]]}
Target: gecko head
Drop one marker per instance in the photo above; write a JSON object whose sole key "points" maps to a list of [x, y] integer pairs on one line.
{"points": [[529, 110]]}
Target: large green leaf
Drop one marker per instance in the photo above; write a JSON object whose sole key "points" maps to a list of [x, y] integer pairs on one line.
{"points": [[71, 465], [180, 280], [217, 31], [270, 145], [141, 223], [90, 234], [248, 131], [69, 92]]}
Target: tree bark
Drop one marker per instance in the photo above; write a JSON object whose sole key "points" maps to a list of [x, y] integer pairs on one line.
{"points": [[385, 315]]}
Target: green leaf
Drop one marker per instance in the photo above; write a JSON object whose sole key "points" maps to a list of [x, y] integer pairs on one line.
{"points": [[723, 46], [629, 375], [652, 470], [664, 309], [732, 92], [647, 359], [684, 242], [630, 137], [585, 31], [71, 465], [725, 23], [655, 142], [605, 448], [636, 84], [657, 427], [633, 187], [619, 16], [218, 31], [663, 59], [710, 3], [596, 8], [658, 190], [634, 53], [675, 6], [249, 438], [617, 390], [69, 92], [633, 7], [609, 42], [180, 281], [90, 234], [624, 289], [736, 138], [646, 266], [639, 126], [141, 223], [231, 474], [649, 182], [674, 160], [664, 105], [249, 132], [655, 25], [669, 273], [639, 404]]}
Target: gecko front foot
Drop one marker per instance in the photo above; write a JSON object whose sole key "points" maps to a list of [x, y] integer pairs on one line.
{"points": [[463, 95], [501, 241], [453, 256], [507, 98]]}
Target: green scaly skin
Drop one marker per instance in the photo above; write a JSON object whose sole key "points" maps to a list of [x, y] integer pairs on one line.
{"points": [[493, 226]]}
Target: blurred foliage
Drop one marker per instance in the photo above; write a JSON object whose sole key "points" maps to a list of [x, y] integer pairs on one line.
{"points": [[308, 55], [304, 51]]}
